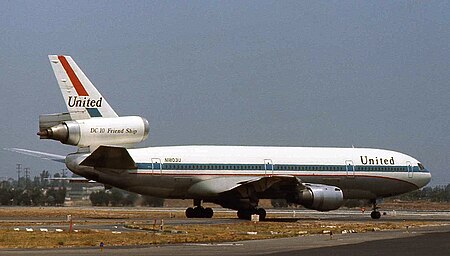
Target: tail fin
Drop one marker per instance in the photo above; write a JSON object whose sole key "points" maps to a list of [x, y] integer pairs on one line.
{"points": [[82, 99]]}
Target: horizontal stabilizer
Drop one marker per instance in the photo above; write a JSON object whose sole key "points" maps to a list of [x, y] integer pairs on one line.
{"points": [[110, 157], [73, 180], [42, 155]]}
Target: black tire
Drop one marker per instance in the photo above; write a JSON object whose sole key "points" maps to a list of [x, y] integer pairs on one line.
{"points": [[190, 212], [208, 213], [240, 214], [198, 212], [375, 215], [244, 214], [262, 213]]}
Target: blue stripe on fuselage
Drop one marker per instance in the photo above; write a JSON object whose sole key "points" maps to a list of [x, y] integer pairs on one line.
{"points": [[276, 167]]}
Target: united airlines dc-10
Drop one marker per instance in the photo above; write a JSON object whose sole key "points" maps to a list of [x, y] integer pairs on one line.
{"points": [[234, 177]]}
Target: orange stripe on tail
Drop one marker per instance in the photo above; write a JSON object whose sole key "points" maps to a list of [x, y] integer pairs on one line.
{"points": [[73, 77]]}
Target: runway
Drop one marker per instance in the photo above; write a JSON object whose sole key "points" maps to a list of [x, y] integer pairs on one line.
{"points": [[435, 243]]}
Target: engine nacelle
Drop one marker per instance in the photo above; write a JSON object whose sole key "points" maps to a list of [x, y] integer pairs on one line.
{"points": [[320, 197], [99, 131]]}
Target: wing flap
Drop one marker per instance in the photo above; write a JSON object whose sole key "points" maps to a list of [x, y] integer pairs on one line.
{"points": [[111, 158]]}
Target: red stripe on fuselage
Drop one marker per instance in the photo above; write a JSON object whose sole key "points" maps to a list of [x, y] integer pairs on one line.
{"points": [[73, 77]]}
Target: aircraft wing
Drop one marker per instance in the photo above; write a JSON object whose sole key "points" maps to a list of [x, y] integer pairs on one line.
{"points": [[215, 186], [42, 155]]}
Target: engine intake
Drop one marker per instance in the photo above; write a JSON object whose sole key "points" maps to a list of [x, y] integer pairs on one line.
{"points": [[99, 131], [320, 197]]}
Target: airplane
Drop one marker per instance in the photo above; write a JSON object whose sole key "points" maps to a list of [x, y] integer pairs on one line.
{"points": [[234, 177]]}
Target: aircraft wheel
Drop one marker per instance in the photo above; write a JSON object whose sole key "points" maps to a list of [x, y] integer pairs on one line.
{"points": [[244, 214], [190, 213], [199, 212], [240, 214], [208, 213], [262, 213], [375, 215]]}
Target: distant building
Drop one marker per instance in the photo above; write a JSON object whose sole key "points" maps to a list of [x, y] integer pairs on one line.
{"points": [[78, 193]]}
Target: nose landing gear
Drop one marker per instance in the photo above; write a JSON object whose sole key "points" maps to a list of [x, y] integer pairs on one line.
{"points": [[375, 214]]}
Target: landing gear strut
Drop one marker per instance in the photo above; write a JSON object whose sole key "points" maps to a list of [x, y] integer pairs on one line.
{"points": [[247, 213], [375, 214], [198, 211]]}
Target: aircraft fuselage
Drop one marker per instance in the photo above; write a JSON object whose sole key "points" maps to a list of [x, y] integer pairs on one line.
{"points": [[171, 171]]}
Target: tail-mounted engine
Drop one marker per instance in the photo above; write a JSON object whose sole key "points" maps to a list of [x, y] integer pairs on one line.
{"points": [[320, 197], [125, 130]]}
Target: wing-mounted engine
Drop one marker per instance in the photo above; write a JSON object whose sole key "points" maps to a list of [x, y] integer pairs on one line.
{"points": [[319, 197], [127, 130]]}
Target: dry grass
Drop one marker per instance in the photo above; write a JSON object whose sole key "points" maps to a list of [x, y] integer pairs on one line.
{"points": [[187, 233], [22, 239], [82, 213]]}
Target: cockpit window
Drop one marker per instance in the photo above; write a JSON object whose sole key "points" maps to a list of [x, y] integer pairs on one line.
{"points": [[420, 166]]}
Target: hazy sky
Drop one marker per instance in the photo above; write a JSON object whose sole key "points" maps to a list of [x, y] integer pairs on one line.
{"points": [[332, 73]]}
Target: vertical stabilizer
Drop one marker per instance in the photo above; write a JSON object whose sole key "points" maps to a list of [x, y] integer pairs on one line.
{"points": [[82, 99]]}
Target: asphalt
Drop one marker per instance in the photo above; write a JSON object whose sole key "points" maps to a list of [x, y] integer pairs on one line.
{"points": [[425, 244]]}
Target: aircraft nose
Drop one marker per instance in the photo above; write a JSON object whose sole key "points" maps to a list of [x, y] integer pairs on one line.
{"points": [[423, 179], [428, 178]]}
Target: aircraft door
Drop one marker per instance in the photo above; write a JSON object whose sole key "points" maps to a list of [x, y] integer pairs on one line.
{"points": [[156, 166], [410, 169], [350, 169], [268, 167]]}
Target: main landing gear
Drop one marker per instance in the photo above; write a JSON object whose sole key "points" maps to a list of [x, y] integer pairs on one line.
{"points": [[198, 211], [247, 213], [375, 214]]}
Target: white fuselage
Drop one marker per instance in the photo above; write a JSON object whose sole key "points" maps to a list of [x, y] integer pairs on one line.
{"points": [[360, 172]]}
